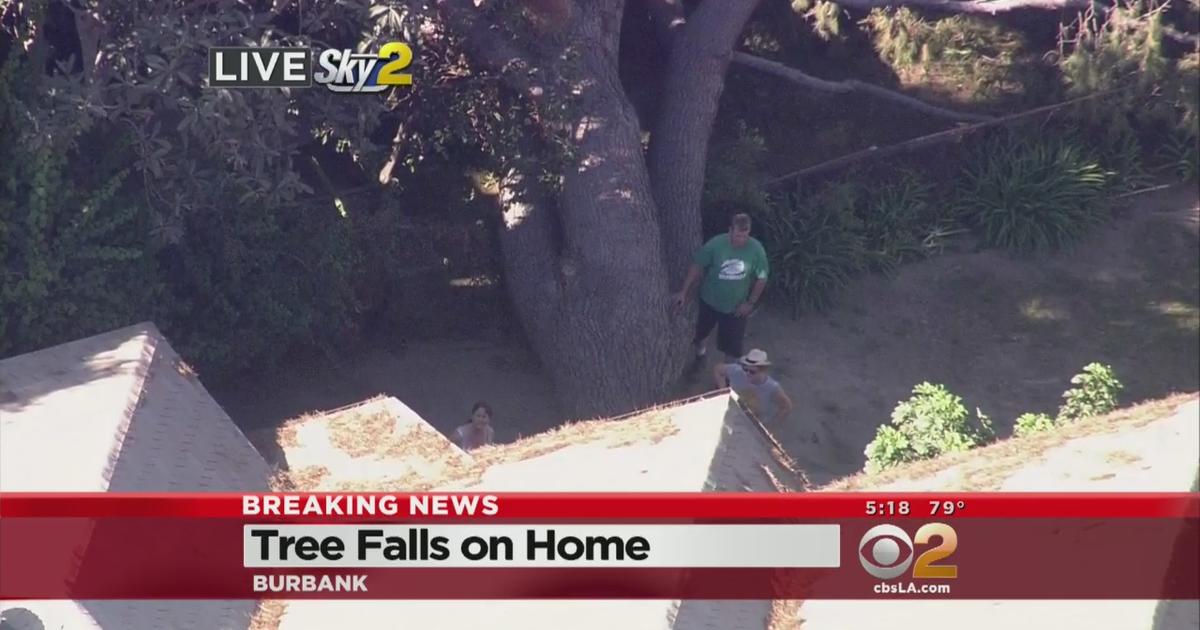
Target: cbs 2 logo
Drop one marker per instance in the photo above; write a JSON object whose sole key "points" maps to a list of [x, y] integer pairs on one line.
{"points": [[881, 552]]}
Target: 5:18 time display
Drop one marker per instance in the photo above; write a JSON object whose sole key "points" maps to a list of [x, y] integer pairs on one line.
{"points": [[887, 508]]}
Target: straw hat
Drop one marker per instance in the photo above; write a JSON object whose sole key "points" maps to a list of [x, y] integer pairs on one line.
{"points": [[756, 358]]}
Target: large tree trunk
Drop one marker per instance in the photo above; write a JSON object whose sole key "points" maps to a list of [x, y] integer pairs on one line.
{"points": [[595, 305], [700, 54]]}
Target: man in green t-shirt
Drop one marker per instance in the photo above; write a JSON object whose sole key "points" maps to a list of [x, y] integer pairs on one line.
{"points": [[731, 270]]}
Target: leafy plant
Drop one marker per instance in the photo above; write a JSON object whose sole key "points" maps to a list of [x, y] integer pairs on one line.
{"points": [[75, 252], [1095, 393], [896, 221], [734, 179], [1151, 93], [815, 246], [1122, 50], [932, 422], [1122, 156], [956, 51], [1030, 423], [1181, 152], [1031, 195]]}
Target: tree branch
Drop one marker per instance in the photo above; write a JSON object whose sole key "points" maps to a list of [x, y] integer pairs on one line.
{"points": [[491, 49], [851, 85], [668, 18], [931, 139]]}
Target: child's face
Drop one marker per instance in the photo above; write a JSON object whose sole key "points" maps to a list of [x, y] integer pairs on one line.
{"points": [[481, 417]]}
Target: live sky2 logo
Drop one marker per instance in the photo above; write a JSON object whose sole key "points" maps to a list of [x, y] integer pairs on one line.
{"points": [[341, 70]]}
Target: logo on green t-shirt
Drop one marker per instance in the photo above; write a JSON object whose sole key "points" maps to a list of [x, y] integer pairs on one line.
{"points": [[730, 272]]}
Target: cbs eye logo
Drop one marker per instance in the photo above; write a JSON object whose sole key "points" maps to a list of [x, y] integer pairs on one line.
{"points": [[886, 552]]}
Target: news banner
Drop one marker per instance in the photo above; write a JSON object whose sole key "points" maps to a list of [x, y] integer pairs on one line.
{"points": [[599, 546]]}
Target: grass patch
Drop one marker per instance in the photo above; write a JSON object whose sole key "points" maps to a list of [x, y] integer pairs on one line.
{"points": [[1038, 309], [1186, 317], [985, 469]]}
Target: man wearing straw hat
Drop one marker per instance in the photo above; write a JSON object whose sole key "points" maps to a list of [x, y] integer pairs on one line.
{"points": [[749, 377]]}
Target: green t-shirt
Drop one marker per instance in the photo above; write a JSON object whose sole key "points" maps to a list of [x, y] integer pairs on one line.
{"points": [[729, 272]]}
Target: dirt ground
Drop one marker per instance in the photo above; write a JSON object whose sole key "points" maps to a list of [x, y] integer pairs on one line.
{"points": [[1004, 333]]}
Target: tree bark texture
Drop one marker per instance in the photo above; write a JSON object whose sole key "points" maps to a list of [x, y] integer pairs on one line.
{"points": [[700, 54], [595, 303]]}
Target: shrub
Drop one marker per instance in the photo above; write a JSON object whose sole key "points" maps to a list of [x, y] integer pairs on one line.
{"points": [[1154, 93], [74, 250], [1181, 153], [88, 250], [815, 246], [896, 220], [952, 52], [1032, 195], [1030, 423], [734, 180], [1122, 50], [1095, 393], [930, 423]]}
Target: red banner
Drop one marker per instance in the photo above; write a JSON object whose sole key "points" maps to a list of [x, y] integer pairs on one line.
{"points": [[1022, 558], [529, 507]]}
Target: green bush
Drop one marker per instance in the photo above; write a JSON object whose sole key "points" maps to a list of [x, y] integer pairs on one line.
{"points": [[1095, 393], [930, 423], [815, 245], [896, 219], [1030, 423], [87, 251], [1153, 93], [74, 249], [1032, 195], [1181, 153], [958, 51], [734, 178]]}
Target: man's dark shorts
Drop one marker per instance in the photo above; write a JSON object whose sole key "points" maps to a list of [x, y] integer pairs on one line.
{"points": [[731, 329]]}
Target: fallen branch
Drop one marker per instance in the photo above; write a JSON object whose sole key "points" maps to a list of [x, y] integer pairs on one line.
{"points": [[851, 85], [931, 139], [1142, 191]]}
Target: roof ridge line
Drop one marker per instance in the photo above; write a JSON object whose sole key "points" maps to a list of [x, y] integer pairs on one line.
{"points": [[141, 374], [365, 401], [716, 393]]}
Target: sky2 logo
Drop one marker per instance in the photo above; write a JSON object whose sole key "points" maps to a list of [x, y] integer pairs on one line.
{"points": [[882, 552], [346, 71]]}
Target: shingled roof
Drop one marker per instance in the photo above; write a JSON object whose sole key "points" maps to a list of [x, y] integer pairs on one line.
{"points": [[379, 438], [120, 412], [701, 444]]}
